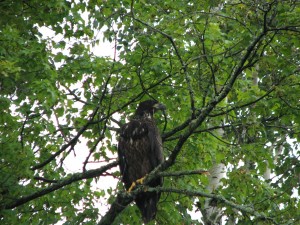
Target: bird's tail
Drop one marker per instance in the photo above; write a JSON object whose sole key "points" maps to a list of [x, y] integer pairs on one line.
{"points": [[147, 203]]}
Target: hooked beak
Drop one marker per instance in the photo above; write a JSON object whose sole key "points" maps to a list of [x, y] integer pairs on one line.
{"points": [[159, 106]]}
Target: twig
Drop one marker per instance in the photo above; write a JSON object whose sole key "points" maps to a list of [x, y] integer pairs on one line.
{"points": [[71, 143], [182, 173], [45, 179]]}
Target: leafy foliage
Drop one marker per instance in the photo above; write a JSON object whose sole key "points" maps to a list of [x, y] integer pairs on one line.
{"points": [[228, 73]]}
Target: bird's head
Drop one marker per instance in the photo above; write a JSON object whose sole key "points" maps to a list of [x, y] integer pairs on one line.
{"points": [[148, 108]]}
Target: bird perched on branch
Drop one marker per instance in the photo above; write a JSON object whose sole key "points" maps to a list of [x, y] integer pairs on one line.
{"points": [[140, 151]]}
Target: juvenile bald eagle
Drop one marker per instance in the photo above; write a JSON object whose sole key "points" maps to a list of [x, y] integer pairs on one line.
{"points": [[140, 151]]}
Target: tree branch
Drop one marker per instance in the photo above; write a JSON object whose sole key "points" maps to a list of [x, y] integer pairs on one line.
{"points": [[219, 198], [182, 173], [73, 178], [120, 203]]}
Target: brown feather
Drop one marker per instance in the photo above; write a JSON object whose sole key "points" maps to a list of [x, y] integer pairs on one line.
{"points": [[140, 151]]}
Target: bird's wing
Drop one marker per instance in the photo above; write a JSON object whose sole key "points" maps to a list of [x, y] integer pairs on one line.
{"points": [[156, 154], [121, 155], [130, 132]]}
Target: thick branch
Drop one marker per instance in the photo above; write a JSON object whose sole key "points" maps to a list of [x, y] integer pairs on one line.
{"points": [[73, 178], [120, 203]]}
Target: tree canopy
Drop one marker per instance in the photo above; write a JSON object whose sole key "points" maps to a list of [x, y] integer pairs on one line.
{"points": [[227, 71]]}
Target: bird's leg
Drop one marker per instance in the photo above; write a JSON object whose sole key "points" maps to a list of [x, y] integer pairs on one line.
{"points": [[138, 181], [131, 187]]}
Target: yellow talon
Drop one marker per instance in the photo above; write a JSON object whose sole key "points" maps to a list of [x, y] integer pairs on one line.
{"points": [[141, 180], [138, 181]]}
